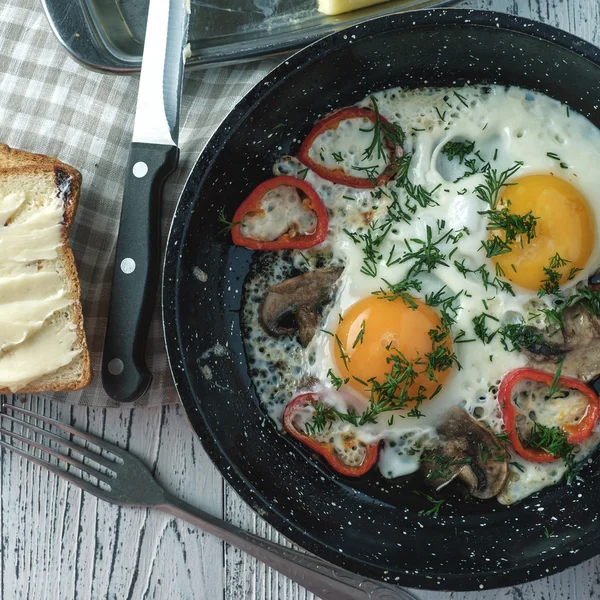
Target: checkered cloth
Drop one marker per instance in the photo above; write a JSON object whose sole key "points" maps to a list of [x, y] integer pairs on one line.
{"points": [[51, 105]]}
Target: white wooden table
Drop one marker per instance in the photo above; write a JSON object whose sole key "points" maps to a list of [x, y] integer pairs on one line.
{"points": [[58, 543]]}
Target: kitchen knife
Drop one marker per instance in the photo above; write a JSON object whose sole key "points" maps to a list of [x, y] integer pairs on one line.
{"points": [[153, 156]]}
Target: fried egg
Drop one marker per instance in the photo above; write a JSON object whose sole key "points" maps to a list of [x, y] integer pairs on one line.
{"points": [[549, 155]]}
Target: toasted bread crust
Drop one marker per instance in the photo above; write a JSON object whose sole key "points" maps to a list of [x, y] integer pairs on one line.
{"points": [[12, 157], [68, 183]]}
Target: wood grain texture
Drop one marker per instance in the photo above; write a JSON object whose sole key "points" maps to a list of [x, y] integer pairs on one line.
{"points": [[59, 544]]}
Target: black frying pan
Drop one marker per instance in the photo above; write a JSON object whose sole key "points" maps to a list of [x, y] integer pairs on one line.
{"points": [[370, 526]]}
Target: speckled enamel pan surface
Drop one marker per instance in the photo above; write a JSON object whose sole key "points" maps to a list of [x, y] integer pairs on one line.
{"points": [[371, 526]]}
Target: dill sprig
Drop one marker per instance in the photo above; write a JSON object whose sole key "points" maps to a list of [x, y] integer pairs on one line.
{"points": [[486, 277], [401, 168], [371, 172], [420, 195], [436, 505], [439, 360], [396, 212], [592, 299], [551, 284], [336, 381], [323, 417], [414, 192], [227, 225], [489, 191], [554, 316], [401, 290], [384, 132], [556, 261], [428, 255], [447, 305], [371, 241]]}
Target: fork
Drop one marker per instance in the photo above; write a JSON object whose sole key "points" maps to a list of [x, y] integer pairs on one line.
{"points": [[117, 476]]}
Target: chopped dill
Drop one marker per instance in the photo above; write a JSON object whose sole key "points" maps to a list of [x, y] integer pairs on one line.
{"points": [[480, 327], [555, 386], [515, 336], [514, 227], [461, 98], [360, 335], [442, 116], [458, 150], [345, 358], [552, 440], [551, 285], [337, 382]]}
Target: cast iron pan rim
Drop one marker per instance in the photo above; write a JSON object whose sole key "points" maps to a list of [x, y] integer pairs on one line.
{"points": [[171, 276]]}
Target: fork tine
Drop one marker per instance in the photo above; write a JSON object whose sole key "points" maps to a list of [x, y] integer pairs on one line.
{"points": [[67, 429], [84, 485], [71, 461], [98, 458]]}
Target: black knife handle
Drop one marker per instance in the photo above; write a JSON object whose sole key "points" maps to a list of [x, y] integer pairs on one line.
{"points": [[125, 375]]}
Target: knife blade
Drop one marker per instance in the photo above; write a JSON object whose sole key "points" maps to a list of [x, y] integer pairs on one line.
{"points": [[153, 156]]}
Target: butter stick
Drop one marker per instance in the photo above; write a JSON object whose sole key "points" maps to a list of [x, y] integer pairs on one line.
{"points": [[336, 7]]}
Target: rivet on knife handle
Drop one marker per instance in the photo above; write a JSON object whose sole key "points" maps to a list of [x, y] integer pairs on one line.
{"points": [[125, 375]]}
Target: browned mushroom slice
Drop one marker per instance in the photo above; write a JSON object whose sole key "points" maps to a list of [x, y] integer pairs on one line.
{"points": [[578, 341], [468, 452], [301, 298]]}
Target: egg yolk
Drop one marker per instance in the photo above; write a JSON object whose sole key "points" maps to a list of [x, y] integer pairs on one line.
{"points": [[564, 227], [372, 330]]}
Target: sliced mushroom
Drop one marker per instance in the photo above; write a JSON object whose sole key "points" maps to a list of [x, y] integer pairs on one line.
{"points": [[301, 298], [578, 341], [468, 452]]}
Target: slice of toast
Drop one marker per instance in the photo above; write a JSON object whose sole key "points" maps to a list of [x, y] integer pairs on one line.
{"points": [[42, 182]]}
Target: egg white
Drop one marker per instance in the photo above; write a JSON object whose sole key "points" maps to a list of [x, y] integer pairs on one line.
{"points": [[507, 125]]}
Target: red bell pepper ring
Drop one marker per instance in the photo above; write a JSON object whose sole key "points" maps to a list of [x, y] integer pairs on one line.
{"points": [[576, 432], [327, 449], [291, 238], [338, 175]]}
